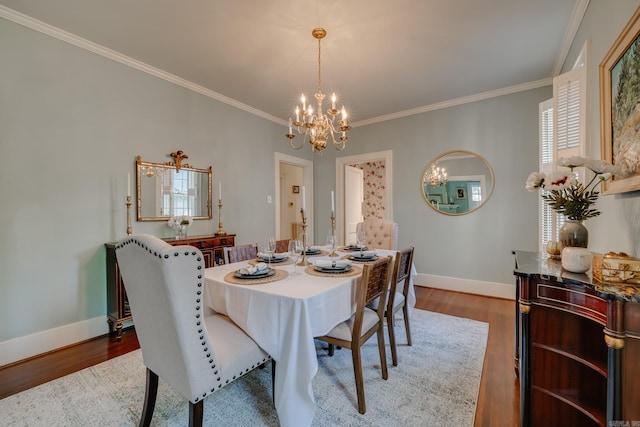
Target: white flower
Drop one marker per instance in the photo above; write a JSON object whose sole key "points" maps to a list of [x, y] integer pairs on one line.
{"points": [[560, 180], [573, 161], [602, 167], [176, 221], [535, 181]]}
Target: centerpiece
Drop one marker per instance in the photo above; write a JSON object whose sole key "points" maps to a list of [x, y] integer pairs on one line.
{"points": [[566, 195], [180, 224]]}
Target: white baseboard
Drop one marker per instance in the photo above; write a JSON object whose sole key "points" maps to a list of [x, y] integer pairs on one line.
{"points": [[490, 289], [27, 346]]}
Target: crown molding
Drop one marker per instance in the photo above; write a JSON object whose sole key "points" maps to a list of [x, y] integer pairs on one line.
{"points": [[577, 15], [458, 101], [65, 36]]}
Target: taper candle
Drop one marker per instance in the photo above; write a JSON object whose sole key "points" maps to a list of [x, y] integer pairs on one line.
{"points": [[304, 205], [333, 202], [129, 184], [219, 190]]}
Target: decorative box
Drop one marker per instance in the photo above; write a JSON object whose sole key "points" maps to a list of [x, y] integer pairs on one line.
{"points": [[616, 268]]}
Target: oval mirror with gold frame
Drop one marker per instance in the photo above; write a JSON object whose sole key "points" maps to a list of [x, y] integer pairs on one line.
{"points": [[172, 188], [457, 182]]}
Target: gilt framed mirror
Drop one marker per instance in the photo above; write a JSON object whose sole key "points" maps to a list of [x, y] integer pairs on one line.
{"points": [[172, 188], [457, 182]]}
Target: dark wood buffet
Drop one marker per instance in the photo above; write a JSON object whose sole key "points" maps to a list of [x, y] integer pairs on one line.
{"points": [[118, 311], [577, 347]]}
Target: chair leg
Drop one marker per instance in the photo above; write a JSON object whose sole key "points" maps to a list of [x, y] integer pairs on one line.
{"points": [[392, 339], [151, 391], [357, 371], [196, 411], [273, 380], [383, 352], [331, 349], [407, 328]]}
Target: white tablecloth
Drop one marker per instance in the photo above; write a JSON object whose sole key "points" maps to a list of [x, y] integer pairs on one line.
{"points": [[283, 317]]}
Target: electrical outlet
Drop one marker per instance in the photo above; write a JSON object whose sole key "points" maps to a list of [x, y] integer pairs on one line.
{"points": [[269, 199]]}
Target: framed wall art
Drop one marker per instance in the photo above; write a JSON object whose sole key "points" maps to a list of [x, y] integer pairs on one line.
{"points": [[620, 108]]}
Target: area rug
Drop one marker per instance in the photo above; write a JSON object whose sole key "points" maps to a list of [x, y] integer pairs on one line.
{"points": [[435, 383]]}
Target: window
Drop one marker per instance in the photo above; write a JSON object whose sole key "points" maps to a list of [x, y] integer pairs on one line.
{"points": [[562, 134]]}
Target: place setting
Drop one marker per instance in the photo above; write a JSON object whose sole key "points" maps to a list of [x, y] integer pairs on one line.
{"points": [[323, 267], [276, 258], [362, 256], [255, 274]]}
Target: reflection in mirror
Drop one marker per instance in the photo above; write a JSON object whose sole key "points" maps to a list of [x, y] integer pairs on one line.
{"points": [[170, 189], [457, 182]]}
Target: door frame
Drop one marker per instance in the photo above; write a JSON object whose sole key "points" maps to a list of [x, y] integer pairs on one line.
{"points": [[387, 156], [307, 173]]}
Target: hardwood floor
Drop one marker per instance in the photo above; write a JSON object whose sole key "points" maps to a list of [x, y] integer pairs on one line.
{"points": [[498, 401]]}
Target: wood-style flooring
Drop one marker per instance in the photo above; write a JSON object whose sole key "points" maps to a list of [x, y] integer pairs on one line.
{"points": [[498, 401]]}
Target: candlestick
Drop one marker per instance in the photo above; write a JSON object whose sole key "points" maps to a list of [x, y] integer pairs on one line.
{"points": [[220, 231], [333, 233], [128, 203], [304, 261]]}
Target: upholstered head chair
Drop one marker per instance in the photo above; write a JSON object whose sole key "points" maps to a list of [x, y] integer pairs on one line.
{"points": [[381, 233], [194, 351]]}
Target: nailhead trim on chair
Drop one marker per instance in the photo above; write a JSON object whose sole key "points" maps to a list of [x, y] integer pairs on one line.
{"points": [[198, 308]]}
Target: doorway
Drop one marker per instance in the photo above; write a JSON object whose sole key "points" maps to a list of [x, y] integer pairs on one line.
{"points": [[385, 158], [291, 175]]}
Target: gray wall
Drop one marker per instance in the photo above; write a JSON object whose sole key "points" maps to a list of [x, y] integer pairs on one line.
{"points": [[477, 246], [71, 126]]}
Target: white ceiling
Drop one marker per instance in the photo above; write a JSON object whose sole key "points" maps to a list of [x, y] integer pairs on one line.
{"points": [[382, 58]]}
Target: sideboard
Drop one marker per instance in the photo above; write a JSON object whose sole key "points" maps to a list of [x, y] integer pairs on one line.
{"points": [[578, 347], [118, 310]]}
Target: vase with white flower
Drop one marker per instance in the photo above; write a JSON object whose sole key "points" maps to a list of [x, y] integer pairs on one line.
{"points": [[566, 195], [180, 224]]}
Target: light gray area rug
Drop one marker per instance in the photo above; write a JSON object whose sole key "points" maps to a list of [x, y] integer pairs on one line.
{"points": [[435, 383]]}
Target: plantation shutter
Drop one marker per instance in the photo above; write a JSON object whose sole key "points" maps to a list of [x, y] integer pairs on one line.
{"points": [[569, 96], [547, 217]]}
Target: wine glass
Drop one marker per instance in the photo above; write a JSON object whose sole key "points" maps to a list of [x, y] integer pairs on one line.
{"points": [[362, 237], [295, 250], [270, 248], [331, 244]]}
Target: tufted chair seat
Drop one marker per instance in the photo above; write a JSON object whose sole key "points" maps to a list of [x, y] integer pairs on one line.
{"points": [[195, 351], [381, 233]]}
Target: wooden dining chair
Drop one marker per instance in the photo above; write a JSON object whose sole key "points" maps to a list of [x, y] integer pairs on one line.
{"points": [[357, 330], [192, 349], [241, 253], [397, 299], [282, 246]]}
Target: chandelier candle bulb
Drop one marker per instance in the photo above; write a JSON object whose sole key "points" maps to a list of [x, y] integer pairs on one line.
{"points": [[290, 126], [333, 101]]}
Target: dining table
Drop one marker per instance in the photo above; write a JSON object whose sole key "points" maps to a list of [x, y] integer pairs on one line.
{"points": [[283, 314]]}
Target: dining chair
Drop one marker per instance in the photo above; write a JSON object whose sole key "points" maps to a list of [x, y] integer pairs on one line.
{"points": [[282, 246], [195, 351], [241, 253], [381, 233], [397, 298], [365, 322]]}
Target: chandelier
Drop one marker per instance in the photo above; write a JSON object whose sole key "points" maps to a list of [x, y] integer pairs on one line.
{"points": [[436, 176], [319, 127]]}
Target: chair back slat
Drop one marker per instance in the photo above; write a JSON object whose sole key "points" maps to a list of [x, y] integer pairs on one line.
{"points": [[241, 253], [282, 246]]}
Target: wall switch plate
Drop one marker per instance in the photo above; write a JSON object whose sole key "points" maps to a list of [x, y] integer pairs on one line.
{"points": [[269, 199]]}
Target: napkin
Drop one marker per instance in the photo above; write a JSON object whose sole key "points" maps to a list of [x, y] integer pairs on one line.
{"points": [[273, 256], [253, 269], [366, 254], [325, 263]]}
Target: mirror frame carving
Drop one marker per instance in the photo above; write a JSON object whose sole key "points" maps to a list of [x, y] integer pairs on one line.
{"points": [[177, 164], [439, 158]]}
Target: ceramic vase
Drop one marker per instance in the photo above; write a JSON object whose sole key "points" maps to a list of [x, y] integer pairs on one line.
{"points": [[573, 234]]}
